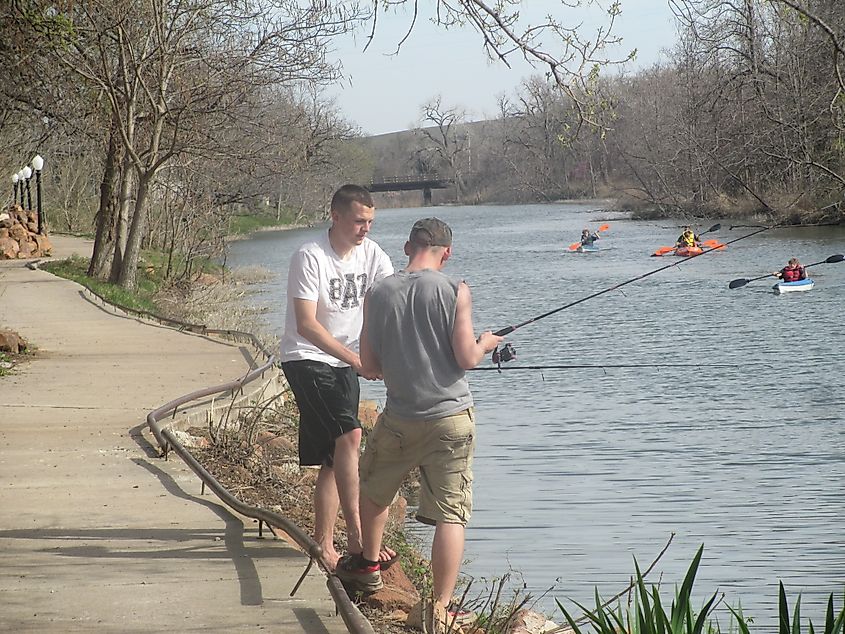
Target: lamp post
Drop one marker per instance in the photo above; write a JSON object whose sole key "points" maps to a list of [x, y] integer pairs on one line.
{"points": [[38, 164], [27, 174], [20, 185], [14, 188]]}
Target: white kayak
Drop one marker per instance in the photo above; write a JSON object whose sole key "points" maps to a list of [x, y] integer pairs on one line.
{"points": [[587, 248], [793, 287]]}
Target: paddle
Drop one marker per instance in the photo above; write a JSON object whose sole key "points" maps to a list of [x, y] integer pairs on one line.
{"points": [[665, 250], [575, 245], [738, 283]]}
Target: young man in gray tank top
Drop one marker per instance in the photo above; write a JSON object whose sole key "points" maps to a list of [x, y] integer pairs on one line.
{"points": [[418, 335]]}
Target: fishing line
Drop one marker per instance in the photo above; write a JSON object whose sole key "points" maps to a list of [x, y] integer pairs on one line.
{"points": [[604, 366]]}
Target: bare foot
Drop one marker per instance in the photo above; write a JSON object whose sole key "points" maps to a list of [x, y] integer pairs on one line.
{"points": [[386, 554], [330, 557]]}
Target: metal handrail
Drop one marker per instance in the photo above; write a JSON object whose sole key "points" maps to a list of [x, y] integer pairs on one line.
{"points": [[356, 623]]}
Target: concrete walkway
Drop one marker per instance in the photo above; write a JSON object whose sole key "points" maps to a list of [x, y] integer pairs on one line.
{"points": [[98, 534]]}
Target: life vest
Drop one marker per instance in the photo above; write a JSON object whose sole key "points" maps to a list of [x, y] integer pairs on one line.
{"points": [[793, 274], [687, 239]]}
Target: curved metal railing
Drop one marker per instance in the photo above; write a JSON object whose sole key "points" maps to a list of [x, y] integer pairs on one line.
{"points": [[355, 622]]}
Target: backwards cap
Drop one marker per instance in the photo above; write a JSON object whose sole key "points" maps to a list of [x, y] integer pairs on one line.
{"points": [[431, 232]]}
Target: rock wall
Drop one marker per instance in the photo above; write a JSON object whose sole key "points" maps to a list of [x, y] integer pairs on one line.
{"points": [[19, 238]]}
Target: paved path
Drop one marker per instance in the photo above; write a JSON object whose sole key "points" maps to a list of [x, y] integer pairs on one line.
{"points": [[98, 534]]}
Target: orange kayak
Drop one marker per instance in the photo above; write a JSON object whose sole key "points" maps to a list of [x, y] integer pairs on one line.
{"points": [[685, 252]]}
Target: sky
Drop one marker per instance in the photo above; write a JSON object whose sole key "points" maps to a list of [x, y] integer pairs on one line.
{"points": [[383, 92]]}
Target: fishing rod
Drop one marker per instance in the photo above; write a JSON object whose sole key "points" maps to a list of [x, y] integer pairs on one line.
{"points": [[508, 353]]}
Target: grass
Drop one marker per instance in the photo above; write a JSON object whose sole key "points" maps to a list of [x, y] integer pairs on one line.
{"points": [[141, 298], [4, 359], [244, 224]]}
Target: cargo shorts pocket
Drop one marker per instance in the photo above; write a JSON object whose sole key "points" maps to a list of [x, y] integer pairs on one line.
{"points": [[382, 443]]}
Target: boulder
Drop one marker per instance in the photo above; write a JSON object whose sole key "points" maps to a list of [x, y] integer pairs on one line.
{"points": [[8, 248], [11, 342], [529, 622]]}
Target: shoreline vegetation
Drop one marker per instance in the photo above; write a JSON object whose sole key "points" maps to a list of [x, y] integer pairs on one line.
{"points": [[257, 461]]}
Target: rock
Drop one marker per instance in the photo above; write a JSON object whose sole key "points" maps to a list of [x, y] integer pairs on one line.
{"points": [[44, 244], [528, 622], [273, 445], [11, 342], [368, 413], [8, 249], [27, 248], [189, 441], [18, 232], [19, 237]]}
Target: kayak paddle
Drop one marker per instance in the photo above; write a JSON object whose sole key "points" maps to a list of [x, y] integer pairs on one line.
{"points": [[664, 250], [738, 283], [575, 245]]}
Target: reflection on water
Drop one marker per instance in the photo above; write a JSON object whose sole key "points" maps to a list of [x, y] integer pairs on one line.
{"points": [[579, 470]]}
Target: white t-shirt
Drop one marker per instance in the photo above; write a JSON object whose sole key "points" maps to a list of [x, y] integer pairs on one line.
{"points": [[338, 286]]}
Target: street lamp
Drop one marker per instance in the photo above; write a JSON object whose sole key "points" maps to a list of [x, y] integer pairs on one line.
{"points": [[38, 164], [27, 174], [14, 188], [20, 188]]}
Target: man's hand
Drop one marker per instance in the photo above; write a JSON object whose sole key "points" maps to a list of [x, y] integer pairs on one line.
{"points": [[371, 374], [489, 341]]}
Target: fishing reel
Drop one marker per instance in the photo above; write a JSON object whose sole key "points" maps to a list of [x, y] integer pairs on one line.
{"points": [[507, 353]]}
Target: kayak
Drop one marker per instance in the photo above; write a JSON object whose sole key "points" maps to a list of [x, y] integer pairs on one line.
{"points": [[587, 248], [793, 287], [685, 252]]}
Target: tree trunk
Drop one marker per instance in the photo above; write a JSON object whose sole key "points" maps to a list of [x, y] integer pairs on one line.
{"points": [[129, 268], [121, 228], [106, 211]]}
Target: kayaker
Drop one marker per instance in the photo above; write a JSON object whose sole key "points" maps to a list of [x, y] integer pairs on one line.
{"points": [[792, 272], [688, 239], [588, 238]]}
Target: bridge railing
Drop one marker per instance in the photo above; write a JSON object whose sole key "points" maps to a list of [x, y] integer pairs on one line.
{"points": [[414, 178]]}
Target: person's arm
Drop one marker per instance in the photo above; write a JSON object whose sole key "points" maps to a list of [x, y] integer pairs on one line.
{"points": [[312, 330], [370, 363], [468, 351]]}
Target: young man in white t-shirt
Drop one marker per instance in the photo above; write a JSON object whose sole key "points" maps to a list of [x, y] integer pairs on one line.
{"points": [[327, 281]]}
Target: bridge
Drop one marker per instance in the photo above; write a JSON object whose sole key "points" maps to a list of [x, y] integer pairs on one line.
{"points": [[425, 182]]}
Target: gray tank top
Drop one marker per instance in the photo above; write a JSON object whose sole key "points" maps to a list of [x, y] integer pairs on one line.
{"points": [[410, 318]]}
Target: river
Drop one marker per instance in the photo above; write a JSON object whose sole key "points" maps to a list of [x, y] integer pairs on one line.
{"points": [[577, 471]]}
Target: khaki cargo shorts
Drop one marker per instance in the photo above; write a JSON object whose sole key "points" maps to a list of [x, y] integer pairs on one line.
{"points": [[441, 448]]}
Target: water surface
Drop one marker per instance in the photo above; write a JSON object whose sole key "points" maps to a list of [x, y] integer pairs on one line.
{"points": [[579, 470]]}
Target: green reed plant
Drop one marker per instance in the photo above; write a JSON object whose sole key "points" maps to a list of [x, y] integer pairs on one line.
{"points": [[646, 614], [833, 624]]}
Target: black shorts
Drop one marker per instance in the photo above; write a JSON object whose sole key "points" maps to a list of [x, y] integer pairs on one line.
{"points": [[327, 398]]}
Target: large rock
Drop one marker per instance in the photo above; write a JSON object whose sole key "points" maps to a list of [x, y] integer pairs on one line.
{"points": [[9, 248], [11, 342]]}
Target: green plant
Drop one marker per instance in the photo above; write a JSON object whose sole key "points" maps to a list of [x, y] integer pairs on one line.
{"points": [[647, 615], [833, 623]]}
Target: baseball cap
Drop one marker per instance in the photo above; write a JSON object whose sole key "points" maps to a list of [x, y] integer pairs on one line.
{"points": [[431, 232]]}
